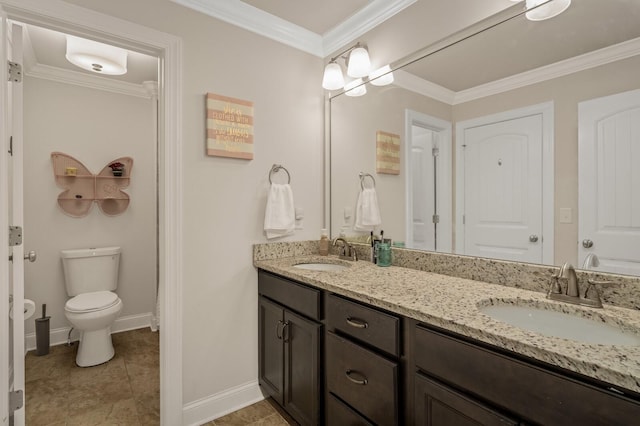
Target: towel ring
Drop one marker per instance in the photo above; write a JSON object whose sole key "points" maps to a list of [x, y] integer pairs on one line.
{"points": [[276, 168], [365, 175]]}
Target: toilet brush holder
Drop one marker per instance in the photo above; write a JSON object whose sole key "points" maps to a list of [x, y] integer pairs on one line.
{"points": [[42, 333]]}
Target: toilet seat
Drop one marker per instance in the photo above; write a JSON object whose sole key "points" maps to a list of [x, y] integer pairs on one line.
{"points": [[91, 302]]}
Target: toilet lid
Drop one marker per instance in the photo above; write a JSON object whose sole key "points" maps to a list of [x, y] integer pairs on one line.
{"points": [[94, 301]]}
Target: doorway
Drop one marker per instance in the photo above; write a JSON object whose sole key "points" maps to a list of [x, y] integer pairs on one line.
{"points": [[68, 18]]}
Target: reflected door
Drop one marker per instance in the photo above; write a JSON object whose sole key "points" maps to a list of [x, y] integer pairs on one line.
{"points": [[609, 181], [422, 197], [502, 190]]}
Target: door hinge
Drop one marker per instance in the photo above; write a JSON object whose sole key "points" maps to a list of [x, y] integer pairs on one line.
{"points": [[15, 235], [464, 217], [14, 72], [11, 146], [435, 218], [16, 400]]}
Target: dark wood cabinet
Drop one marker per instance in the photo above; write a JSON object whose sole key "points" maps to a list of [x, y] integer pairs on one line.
{"points": [[290, 349], [439, 405], [362, 361], [528, 390]]}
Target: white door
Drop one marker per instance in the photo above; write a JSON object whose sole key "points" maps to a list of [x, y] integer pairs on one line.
{"points": [[423, 189], [12, 281], [609, 181], [428, 182], [502, 190]]}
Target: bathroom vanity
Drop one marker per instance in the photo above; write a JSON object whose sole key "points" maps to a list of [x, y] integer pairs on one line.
{"points": [[396, 345]]}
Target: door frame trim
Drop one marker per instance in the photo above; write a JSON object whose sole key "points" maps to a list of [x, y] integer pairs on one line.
{"points": [[546, 109], [443, 186], [65, 17]]}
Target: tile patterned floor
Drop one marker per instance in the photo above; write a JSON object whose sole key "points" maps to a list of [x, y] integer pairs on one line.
{"points": [[263, 413], [123, 391]]}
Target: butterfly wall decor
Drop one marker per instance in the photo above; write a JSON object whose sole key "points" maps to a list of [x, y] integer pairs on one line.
{"points": [[83, 188]]}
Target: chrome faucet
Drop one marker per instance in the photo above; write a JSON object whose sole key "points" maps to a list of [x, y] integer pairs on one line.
{"points": [[345, 250], [567, 272]]}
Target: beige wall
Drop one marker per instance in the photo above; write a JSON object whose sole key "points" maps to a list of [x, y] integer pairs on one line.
{"points": [[94, 127], [224, 199]]}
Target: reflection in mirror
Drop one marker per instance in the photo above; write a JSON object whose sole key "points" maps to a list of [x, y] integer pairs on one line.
{"points": [[518, 143]]}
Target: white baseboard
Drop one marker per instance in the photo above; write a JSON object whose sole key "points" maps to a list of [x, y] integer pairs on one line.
{"points": [[217, 405], [58, 336]]}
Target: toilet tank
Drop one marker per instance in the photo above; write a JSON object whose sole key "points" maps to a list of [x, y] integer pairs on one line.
{"points": [[92, 269]]}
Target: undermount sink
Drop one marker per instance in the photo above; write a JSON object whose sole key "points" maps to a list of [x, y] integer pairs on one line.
{"points": [[328, 267], [560, 324]]}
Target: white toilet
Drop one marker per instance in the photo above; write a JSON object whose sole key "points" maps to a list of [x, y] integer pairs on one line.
{"points": [[91, 276]]}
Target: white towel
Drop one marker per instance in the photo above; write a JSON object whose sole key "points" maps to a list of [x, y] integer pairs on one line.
{"points": [[367, 210], [279, 216]]}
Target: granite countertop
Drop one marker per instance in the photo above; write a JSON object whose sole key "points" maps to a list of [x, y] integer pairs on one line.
{"points": [[453, 304]]}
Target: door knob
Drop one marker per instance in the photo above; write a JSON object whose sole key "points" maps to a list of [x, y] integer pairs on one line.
{"points": [[587, 243], [31, 256], [533, 238]]}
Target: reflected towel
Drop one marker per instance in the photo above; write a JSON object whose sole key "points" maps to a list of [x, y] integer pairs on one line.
{"points": [[279, 216], [367, 210]]}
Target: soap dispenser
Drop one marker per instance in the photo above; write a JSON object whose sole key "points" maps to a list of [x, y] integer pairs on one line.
{"points": [[324, 243]]}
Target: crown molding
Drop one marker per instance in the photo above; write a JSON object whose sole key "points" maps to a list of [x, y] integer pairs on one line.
{"points": [[366, 19], [60, 75], [579, 63], [583, 62], [423, 87], [251, 18]]}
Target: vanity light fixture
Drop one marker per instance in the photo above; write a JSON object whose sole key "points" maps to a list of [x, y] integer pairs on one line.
{"points": [[539, 10], [381, 76], [355, 88], [96, 57], [358, 65]]}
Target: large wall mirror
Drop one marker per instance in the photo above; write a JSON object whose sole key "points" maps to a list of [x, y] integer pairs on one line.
{"points": [[520, 142]]}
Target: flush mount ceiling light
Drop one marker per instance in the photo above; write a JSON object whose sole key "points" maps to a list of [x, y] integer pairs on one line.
{"points": [[539, 10], [358, 65], [97, 57]]}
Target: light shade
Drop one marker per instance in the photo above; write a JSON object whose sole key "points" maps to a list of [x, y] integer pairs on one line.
{"points": [[97, 57], [333, 78], [381, 76], [553, 8], [350, 88], [359, 63]]}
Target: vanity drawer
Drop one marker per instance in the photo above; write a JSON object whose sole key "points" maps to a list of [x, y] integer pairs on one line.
{"points": [[538, 395], [299, 297], [364, 380], [366, 324], [339, 413]]}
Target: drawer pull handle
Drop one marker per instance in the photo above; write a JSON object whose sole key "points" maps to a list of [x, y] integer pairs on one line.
{"points": [[353, 322], [358, 381]]}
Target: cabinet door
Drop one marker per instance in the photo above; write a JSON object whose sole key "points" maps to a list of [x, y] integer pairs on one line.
{"points": [[302, 390], [271, 349], [438, 405]]}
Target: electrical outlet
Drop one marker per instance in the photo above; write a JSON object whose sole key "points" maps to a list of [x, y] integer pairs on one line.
{"points": [[566, 215]]}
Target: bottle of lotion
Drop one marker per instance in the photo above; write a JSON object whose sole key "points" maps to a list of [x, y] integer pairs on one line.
{"points": [[324, 243]]}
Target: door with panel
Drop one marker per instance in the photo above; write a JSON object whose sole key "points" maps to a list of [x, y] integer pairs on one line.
{"points": [[501, 198], [609, 182]]}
